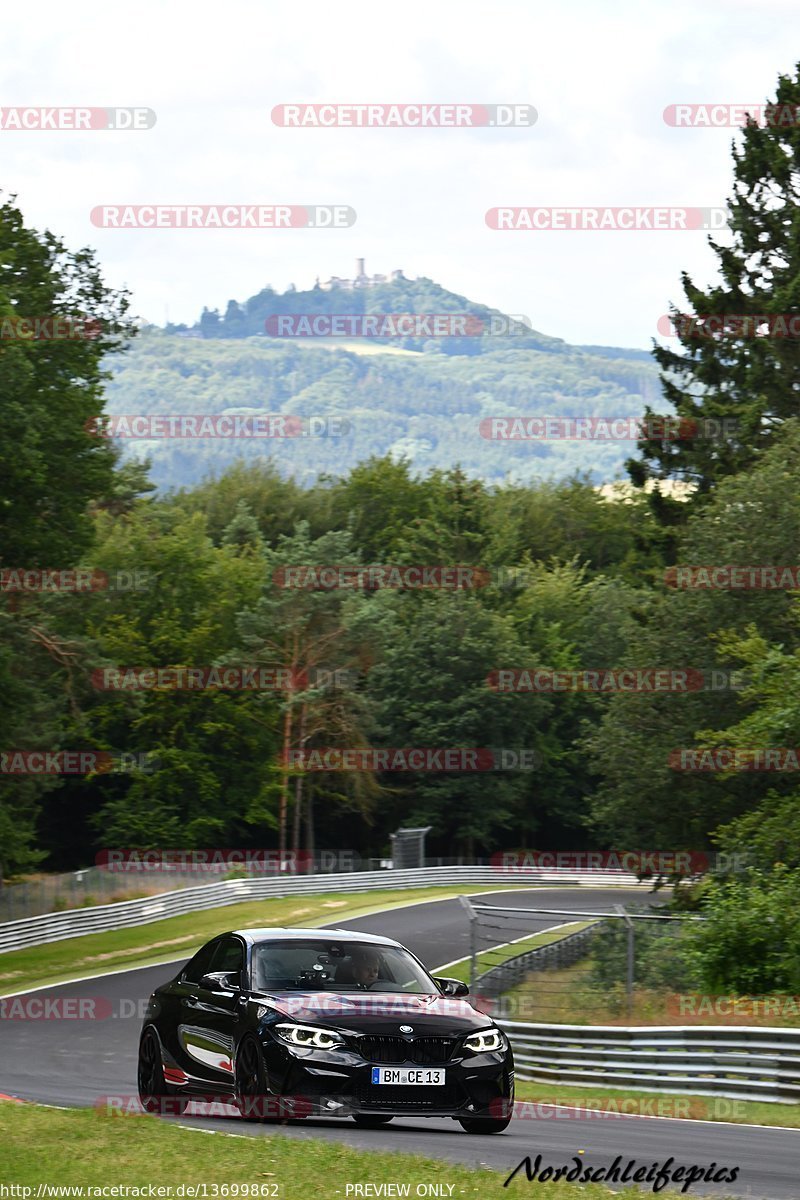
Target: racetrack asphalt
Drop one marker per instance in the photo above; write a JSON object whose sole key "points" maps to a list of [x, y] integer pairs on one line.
{"points": [[81, 1062]]}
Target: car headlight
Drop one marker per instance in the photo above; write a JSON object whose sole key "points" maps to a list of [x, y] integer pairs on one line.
{"points": [[308, 1035], [484, 1040]]}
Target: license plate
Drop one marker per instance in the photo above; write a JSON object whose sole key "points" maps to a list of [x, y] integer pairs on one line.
{"points": [[409, 1076]]}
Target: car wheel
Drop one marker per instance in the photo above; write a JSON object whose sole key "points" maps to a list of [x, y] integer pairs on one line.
{"points": [[484, 1124], [252, 1096], [154, 1093], [370, 1120]]}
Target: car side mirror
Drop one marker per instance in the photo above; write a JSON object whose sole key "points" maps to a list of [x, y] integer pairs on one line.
{"points": [[451, 987], [220, 981]]}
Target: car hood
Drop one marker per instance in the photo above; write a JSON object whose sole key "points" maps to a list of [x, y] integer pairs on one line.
{"points": [[379, 1012]]}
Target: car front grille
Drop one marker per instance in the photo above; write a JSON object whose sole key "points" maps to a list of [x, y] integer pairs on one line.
{"points": [[419, 1050]]}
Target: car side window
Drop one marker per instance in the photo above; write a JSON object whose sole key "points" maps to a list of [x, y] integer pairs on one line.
{"points": [[200, 964], [228, 956]]}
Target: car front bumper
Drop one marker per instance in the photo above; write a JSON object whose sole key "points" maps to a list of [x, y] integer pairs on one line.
{"points": [[327, 1084]]}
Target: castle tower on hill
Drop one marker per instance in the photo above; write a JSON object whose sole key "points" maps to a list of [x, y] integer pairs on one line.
{"points": [[361, 280]]}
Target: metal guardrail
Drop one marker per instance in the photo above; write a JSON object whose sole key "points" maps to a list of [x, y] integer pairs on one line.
{"points": [[739, 1063], [104, 884], [561, 953], [54, 927]]}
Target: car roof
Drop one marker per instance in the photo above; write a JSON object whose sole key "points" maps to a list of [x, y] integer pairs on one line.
{"points": [[285, 933]]}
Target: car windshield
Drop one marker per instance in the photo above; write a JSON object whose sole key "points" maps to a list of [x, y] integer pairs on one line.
{"points": [[323, 965]]}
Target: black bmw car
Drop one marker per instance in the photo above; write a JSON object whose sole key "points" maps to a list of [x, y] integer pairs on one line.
{"points": [[301, 1022]]}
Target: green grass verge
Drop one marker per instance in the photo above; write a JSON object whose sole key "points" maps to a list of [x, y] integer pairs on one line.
{"points": [[85, 1148], [177, 937], [500, 954], [657, 1104]]}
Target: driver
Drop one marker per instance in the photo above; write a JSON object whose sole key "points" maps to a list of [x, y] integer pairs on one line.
{"points": [[365, 965]]}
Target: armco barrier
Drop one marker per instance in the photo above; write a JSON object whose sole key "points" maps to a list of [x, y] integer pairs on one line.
{"points": [[743, 1063], [54, 927]]}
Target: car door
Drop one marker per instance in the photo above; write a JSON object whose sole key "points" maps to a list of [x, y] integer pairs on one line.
{"points": [[211, 1018], [180, 1016]]}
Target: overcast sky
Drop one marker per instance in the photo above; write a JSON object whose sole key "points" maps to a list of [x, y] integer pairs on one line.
{"points": [[599, 74]]}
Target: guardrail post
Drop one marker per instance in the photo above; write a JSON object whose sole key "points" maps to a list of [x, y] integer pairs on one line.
{"points": [[473, 950], [629, 972]]}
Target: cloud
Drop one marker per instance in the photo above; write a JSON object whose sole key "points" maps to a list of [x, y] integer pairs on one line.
{"points": [[600, 79]]}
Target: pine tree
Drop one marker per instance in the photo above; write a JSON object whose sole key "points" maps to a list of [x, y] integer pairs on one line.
{"points": [[242, 531], [751, 381]]}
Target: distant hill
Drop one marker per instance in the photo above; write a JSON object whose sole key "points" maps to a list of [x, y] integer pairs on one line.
{"points": [[400, 295], [420, 397]]}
